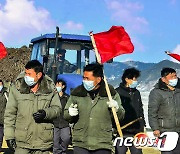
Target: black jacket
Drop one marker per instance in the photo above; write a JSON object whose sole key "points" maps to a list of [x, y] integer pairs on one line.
{"points": [[60, 122], [3, 102], [164, 108], [131, 102]]}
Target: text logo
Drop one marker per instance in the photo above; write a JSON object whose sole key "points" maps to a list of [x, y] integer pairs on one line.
{"points": [[166, 142]]}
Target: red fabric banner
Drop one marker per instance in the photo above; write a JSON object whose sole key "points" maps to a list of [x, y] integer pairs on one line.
{"points": [[3, 51], [112, 43], [174, 55]]}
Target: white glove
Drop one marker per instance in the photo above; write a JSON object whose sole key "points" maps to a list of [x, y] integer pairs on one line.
{"points": [[73, 111], [114, 104]]}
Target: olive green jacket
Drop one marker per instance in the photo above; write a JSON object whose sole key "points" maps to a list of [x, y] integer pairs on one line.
{"points": [[93, 125], [19, 123]]}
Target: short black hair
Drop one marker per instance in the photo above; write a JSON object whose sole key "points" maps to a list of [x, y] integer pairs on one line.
{"points": [[130, 73], [96, 68], [63, 83], [61, 51], [35, 65], [167, 70]]}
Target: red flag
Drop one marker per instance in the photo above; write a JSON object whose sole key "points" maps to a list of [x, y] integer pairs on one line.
{"points": [[174, 55], [112, 43], [3, 52]]}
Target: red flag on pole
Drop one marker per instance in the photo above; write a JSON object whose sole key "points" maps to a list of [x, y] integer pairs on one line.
{"points": [[112, 43], [3, 52], [174, 55]]}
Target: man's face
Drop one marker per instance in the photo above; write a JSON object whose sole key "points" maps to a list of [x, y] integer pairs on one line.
{"points": [[170, 76], [59, 84], [33, 74], [130, 81], [88, 76], [1, 84]]}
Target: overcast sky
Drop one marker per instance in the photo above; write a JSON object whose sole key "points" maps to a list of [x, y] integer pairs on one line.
{"points": [[153, 25]]}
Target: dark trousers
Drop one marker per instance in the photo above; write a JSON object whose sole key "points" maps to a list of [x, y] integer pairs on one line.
{"points": [[1, 135], [176, 150], [78, 150], [62, 139], [123, 149]]}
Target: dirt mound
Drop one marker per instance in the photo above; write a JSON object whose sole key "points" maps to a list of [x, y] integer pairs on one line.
{"points": [[14, 63]]}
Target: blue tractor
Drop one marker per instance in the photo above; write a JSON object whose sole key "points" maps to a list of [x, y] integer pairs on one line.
{"points": [[50, 50]]}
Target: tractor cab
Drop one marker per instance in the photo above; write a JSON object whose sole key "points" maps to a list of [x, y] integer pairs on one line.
{"points": [[52, 49]]}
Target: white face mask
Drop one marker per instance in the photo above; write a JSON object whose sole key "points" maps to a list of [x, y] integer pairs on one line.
{"points": [[88, 85], [29, 80], [173, 82], [133, 84], [1, 87], [59, 89]]}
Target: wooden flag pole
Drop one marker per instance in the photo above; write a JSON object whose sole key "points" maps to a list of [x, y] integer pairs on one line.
{"points": [[130, 123], [95, 48], [107, 87]]}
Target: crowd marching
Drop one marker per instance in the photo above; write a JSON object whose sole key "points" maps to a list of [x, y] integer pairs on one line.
{"points": [[38, 117]]}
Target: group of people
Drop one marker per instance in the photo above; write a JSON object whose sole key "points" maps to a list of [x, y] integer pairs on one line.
{"points": [[36, 114]]}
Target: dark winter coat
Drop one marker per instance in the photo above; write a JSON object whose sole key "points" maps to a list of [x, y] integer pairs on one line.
{"points": [[93, 128], [60, 122], [3, 102], [164, 108], [22, 103], [131, 102]]}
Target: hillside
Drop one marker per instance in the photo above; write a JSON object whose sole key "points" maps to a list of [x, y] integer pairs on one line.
{"points": [[150, 72], [14, 63], [114, 71]]}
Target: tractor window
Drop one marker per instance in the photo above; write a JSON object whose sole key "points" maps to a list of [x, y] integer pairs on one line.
{"points": [[34, 51], [39, 57], [50, 61], [51, 51], [66, 61], [71, 56], [43, 48]]}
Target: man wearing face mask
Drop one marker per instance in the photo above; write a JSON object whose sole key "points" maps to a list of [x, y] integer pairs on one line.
{"points": [[62, 133], [90, 110], [32, 105], [131, 101], [3, 101], [164, 106]]}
